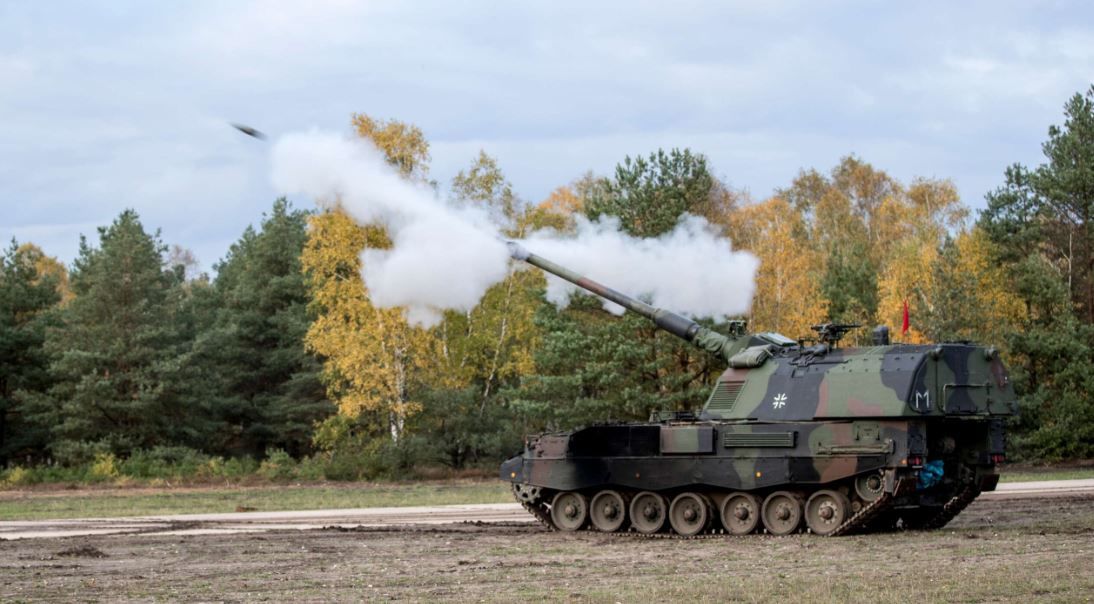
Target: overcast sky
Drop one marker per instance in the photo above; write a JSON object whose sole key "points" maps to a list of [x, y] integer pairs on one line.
{"points": [[108, 105]]}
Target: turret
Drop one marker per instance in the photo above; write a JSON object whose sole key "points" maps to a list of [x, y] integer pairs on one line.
{"points": [[681, 327]]}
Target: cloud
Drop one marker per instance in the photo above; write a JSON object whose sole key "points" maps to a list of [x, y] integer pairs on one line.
{"points": [[112, 106]]}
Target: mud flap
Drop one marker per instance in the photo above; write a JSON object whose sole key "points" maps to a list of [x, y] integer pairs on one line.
{"points": [[892, 481]]}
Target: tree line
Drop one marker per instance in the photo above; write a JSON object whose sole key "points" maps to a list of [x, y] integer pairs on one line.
{"points": [[127, 352]]}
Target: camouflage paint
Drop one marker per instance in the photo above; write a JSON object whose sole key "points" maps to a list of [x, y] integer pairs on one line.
{"points": [[793, 418]]}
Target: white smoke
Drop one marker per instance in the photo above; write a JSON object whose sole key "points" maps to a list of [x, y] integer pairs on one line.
{"points": [[442, 256], [690, 270], [445, 256]]}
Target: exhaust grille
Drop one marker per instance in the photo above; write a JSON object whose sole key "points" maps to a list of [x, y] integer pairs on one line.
{"points": [[724, 396], [758, 439]]}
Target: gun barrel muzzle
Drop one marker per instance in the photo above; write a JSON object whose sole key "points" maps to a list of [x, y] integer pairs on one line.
{"points": [[517, 251]]}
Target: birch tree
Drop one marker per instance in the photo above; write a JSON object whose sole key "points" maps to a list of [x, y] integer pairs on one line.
{"points": [[374, 357]]}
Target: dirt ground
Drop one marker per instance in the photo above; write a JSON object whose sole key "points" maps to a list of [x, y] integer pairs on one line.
{"points": [[997, 550]]}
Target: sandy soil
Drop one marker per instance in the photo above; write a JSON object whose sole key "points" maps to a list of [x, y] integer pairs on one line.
{"points": [[1000, 549]]}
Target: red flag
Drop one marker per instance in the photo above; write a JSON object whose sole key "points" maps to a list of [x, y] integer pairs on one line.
{"points": [[904, 326]]}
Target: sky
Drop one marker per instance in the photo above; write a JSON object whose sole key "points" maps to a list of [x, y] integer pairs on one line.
{"points": [[126, 104]]}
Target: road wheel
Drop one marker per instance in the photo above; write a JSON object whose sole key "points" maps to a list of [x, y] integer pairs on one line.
{"points": [[648, 512], [569, 511], [782, 513], [741, 513], [608, 511], [826, 511], [689, 514]]}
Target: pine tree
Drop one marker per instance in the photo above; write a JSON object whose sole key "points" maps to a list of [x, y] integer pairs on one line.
{"points": [[116, 349], [1040, 224], [264, 389], [648, 195], [26, 296], [1050, 210]]}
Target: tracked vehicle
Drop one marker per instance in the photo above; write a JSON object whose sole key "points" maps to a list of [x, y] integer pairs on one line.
{"points": [[793, 437]]}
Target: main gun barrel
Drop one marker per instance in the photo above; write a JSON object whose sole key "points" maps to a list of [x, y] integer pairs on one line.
{"points": [[671, 322]]}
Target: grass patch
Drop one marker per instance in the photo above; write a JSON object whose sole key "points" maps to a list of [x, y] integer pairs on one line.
{"points": [[1034, 474], [104, 503], [91, 502]]}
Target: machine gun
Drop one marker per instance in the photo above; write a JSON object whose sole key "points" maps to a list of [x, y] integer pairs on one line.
{"points": [[832, 333]]}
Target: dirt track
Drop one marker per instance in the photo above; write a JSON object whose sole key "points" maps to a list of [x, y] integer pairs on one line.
{"points": [[248, 522], [999, 549]]}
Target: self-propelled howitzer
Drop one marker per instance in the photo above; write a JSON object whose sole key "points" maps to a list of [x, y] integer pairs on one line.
{"points": [[822, 437]]}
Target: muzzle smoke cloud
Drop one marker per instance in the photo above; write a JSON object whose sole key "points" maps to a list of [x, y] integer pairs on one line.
{"points": [[690, 270], [445, 256]]}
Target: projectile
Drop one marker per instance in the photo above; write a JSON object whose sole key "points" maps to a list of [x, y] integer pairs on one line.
{"points": [[249, 131]]}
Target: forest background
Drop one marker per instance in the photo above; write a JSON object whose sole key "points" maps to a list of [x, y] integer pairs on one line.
{"points": [[128, 364]]}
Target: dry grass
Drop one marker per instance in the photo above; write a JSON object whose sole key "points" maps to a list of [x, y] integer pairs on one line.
{"points": [[1031, 473], [999, 550], [52, 502], [101, 503]]}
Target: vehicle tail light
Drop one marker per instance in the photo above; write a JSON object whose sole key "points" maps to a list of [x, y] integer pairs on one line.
{"points": [[998, 458], [915, 460]]}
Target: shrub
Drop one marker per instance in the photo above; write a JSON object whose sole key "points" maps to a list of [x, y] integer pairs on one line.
{"points": [[278, 465], [105, 467], [16, 476], [165, 462], [73, 454], [312, 468], [463, 432], [238, 467]]}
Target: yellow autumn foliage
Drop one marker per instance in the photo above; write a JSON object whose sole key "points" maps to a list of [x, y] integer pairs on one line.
{"points": [[376, 362], [1001, 309], [787, 296], [49, 266], [563, 201], [495, 341], [916, 272], [906, 277], [404, 145], [372, 355]]}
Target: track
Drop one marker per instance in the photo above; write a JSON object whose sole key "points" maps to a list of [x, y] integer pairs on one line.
{"points": [[252, 522]]}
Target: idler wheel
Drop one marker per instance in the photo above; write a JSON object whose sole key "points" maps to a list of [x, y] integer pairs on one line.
{"points": [[608, 511], [782, 513], [569, 511], [648, 511], [870, 486], [825, 511], [741, 513], [689, 514]]}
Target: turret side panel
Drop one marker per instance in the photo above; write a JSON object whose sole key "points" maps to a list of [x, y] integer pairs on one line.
{"points": [[843, 384]]}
